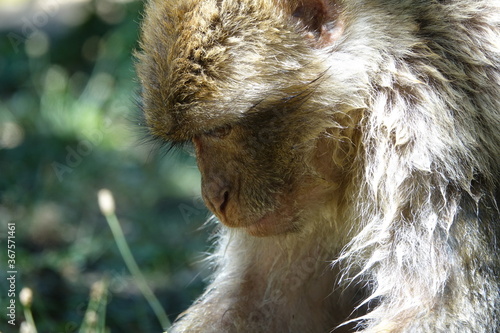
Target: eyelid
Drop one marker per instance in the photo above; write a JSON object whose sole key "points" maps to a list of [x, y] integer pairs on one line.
{"points": [[219, 132]]}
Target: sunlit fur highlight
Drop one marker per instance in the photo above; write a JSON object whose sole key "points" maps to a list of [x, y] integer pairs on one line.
{"points": [[407, 110]]}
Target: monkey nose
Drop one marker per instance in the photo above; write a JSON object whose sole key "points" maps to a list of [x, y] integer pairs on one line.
{"points": [[216, 196]]}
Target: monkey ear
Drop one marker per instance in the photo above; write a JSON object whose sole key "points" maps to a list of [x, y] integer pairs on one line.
{"points": [[320, 19]]}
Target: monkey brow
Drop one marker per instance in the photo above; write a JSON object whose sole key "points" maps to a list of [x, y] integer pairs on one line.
{"points": [[270, 106], [163, 148], [159, 145]]}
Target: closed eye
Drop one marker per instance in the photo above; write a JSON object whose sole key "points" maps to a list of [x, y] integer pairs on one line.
{"points": [[220, 132]]}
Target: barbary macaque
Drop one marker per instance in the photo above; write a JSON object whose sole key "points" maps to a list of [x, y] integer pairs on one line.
{"points": [[350, 150]]}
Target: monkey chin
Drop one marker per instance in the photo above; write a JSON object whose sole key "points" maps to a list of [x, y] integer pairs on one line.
{"points": [[274, 223], [279, 221], [287, 217]]}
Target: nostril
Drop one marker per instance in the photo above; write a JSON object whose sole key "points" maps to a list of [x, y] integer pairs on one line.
{"points": [[216, 196], [225, 199]]}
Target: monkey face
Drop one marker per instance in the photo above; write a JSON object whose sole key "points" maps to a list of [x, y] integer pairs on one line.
{"points": [[244, 82], [255, 173]]}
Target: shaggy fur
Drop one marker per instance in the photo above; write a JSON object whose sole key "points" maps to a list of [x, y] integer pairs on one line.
{"points": [[351, 150]]}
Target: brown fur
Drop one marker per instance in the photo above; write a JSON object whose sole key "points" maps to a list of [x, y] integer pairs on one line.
{"points": [[351, 150]]}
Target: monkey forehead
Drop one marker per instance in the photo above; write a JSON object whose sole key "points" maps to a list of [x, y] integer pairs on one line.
{"points": [[205, 63]]}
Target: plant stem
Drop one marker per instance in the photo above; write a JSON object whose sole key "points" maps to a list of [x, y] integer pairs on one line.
{"points": [[132, 266], [29, 318]]}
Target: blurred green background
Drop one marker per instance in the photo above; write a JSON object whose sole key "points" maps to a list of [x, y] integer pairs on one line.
{"points": [[67, 107]]}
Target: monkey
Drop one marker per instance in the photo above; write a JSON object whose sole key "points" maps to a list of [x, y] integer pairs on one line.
{"points": [[349, 151]]}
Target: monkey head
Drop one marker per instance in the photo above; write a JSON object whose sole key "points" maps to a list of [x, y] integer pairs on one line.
{"points": [[253, 85]]}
